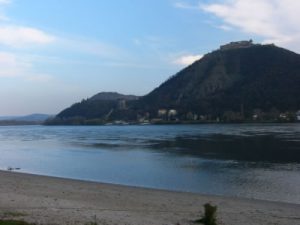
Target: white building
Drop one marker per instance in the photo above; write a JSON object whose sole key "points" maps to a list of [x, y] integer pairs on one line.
{"points": [[162, 112], [172, 112], [298, 115]]}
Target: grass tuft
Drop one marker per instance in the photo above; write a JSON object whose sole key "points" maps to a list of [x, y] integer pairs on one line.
{"points": [[13, 214], [210, 214], [91, 223], [14, 222]]}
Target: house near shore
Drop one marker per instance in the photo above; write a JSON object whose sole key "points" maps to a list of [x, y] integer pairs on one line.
{"points": [[172, 112], [162, 112], [298, 115], [283, 116], [167, 114]]}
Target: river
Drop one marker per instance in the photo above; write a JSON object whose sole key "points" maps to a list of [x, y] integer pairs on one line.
{"points": [[260, 161]]}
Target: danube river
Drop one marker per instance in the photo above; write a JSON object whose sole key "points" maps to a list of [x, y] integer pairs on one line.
{"points": [[260, 161]]}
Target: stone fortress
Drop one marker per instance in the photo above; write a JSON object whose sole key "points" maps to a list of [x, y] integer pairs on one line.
{"points": [[238, 44]]}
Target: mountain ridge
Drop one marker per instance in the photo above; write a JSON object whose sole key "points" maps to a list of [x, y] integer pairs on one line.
{"points": [[112, 96]]}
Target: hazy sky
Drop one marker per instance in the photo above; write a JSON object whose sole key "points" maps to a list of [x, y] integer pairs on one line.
{"points": [[56, 52]]}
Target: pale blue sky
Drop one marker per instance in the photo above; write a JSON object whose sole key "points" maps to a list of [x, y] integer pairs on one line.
{"points": [[56, 52]]}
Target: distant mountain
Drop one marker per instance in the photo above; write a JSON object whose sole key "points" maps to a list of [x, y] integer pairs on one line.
{"points": [[35, 117], [32, 117], [239, 81]]}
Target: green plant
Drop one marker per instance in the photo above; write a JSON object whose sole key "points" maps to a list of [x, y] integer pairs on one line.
{"points": [[91, 223], [13, 214], [14, 222], [209, 217]]}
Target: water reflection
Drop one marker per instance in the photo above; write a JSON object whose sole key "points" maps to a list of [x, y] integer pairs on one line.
{"points": [[258, 148]]}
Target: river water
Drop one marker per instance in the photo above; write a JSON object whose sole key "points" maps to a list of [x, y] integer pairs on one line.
{"points": [[260, 161]]}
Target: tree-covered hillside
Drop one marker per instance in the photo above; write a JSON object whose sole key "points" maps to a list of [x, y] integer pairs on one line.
{"points": [[233, 83]]}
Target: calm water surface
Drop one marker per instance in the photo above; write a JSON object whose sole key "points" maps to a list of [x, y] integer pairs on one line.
{"points": [[254, 161]]}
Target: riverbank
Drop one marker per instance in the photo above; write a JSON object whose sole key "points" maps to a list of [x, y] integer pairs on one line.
{"points": [[48, 200]]}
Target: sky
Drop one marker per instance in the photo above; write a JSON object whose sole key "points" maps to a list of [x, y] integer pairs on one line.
{"points": [[54, 53]]}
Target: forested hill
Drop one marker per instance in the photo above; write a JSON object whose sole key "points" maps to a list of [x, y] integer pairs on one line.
{"points": [[100, 107], [235, 82], [255, 77]]}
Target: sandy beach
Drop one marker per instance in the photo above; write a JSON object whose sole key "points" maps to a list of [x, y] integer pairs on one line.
{"points": [[48, 200]]}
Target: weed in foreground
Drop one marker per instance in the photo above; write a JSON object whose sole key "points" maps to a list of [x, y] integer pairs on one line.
{"points": [[14, 222], [91, 223], [12, 214], [210, 214]]}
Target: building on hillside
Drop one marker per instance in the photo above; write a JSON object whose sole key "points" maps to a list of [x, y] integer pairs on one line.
{"points": [[122, 104]]}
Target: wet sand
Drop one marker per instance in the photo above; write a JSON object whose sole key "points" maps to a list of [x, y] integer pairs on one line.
{"points": [[49, 200]]}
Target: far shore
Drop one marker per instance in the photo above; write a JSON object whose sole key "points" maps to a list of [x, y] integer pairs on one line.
{"points": [[122, 123], [185, 122], [49, 200]]}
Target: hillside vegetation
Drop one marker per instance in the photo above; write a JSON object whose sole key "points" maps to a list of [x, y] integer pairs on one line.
{"points": [[260, 82]]}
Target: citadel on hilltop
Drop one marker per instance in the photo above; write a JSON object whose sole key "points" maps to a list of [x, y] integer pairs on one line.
{"points": [[238, 44], [241, 44]]}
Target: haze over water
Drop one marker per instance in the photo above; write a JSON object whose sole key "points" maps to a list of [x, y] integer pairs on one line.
{"points": [[246, 160]]}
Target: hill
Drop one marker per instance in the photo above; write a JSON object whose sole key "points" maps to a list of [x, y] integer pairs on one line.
{"points": [[100, 108], [112, 96], [240, 81]]}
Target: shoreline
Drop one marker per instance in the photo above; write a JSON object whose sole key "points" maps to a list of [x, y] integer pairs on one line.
{"points": [[170, 123], [126, 186], [50, 200]]}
